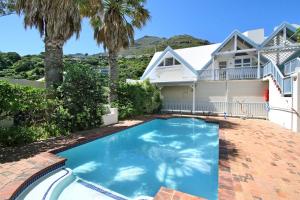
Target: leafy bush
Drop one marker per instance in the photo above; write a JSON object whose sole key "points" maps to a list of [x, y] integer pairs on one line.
{"points": [[24, 104], [18, 135], [35, 117], [82, 96], [137, 99], [78, 105]]}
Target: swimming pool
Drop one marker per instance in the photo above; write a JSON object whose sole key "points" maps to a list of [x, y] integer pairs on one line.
{"points": [[178, 153]]}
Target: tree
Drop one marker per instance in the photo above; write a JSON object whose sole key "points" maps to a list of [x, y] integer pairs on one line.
{"points": [[114, 28], [57, 21], [6, 7]]}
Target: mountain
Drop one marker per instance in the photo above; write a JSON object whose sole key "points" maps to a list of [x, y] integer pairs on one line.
{"points": [[132, 62], [148, 45]]}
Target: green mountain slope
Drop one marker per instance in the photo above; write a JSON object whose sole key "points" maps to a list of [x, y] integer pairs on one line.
{"points": [[150, 44], [132, 62]]}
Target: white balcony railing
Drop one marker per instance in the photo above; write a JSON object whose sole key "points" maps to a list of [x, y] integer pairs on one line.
{"points": [[291, 66], [284, 83], [232, 73]]}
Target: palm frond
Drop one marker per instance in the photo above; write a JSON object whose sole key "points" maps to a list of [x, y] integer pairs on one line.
{"points": [[115, 28]]}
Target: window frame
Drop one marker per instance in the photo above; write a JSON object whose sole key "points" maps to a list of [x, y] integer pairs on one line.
{"points": [[221, 63], [242, 63], [174, 62]]}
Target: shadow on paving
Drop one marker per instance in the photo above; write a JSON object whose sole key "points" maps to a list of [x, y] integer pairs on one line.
{"points": [[227, 150]]}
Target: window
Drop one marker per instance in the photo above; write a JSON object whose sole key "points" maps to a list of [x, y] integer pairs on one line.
{"points": [[238, 63], [242, 62], [169, 61], [161, 64], [247, 62], [222, 64], [176, 62]]}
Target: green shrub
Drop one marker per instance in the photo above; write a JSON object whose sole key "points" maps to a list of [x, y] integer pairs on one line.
{"points": [[25, 105], [82, 96], [18, 135], [35, 117], [138, 98], [78, 105]]}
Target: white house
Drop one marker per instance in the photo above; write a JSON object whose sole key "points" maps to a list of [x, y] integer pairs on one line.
{"points": [[235, 77]]}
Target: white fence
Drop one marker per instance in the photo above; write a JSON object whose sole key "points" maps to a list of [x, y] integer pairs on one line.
{"points": [[251, 110]]}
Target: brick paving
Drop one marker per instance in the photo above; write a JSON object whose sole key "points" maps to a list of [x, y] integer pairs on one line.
{"points": [[263, 159], [258, 159], [169, 194]]}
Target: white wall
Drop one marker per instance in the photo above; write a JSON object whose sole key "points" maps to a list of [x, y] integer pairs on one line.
{"points": [[257, 35], [236, 98], [210, 91], [244, 91], [296, 103], [174, 73], [280, 107], [110, 118], [180, 94], [239, 90]]}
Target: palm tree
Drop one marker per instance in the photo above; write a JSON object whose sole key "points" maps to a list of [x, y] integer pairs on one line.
{"points": [[114, 28], [57, 21]]}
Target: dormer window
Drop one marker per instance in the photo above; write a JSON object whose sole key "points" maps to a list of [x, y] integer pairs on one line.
{"points": [[176, 62], [169, 62], [161, 64]]}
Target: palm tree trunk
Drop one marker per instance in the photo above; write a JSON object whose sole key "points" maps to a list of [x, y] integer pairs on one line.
{"points": [[53, 64], [113, 76]]}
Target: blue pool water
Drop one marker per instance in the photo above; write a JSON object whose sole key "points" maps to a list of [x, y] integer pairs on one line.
{"points": [[178, 153]]}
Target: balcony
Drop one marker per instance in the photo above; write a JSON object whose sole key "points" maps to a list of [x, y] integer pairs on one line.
{"points": [[290, 67], [231, 73]]}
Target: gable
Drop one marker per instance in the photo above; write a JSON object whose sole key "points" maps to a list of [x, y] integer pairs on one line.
{"points": [[284, 32], [158, 58], [281, 44], [243, 42]]}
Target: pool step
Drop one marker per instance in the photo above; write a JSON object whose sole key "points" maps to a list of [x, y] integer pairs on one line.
{"points": [[80, 189], [61, 184], [45, 187]]}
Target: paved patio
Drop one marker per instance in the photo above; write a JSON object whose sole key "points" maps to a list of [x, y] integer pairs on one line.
{"points": [[264, 161], [258, 159]]}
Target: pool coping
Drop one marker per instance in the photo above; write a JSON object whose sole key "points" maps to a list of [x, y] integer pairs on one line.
{"points": [[13, 194], [225, 187]]}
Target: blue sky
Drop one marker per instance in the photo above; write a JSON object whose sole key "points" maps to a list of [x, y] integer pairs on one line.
{"points": [[208, 19]]}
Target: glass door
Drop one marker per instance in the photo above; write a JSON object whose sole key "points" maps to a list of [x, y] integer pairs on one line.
{"points": [[222, 70]]}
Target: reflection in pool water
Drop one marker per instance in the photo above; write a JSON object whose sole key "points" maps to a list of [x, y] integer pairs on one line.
{"points": [[178, 153]]}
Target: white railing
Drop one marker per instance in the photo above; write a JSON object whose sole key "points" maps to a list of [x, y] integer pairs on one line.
{"points": [[284, 83], [287, 85], [290, 66], [231, 73], [250, 109], [178, 106]]}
